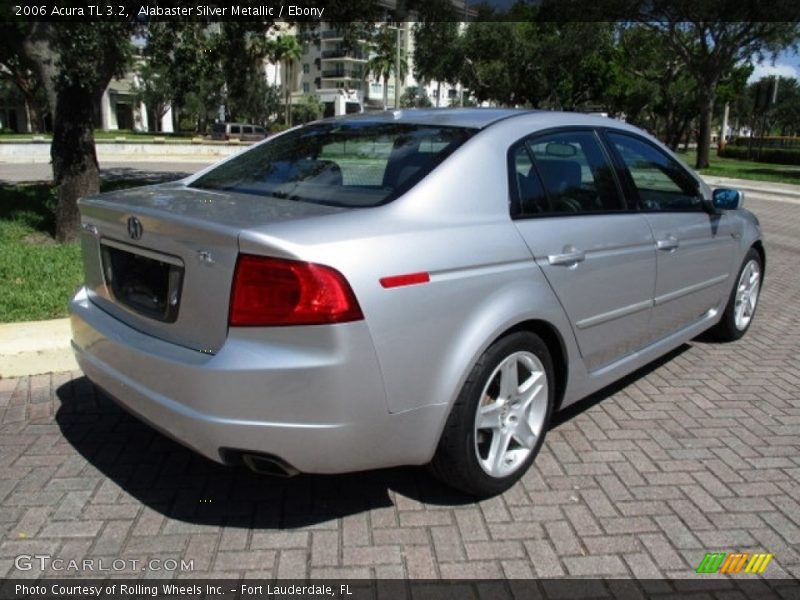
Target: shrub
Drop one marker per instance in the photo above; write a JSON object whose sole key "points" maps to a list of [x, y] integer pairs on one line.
{"points": [[778, 156]]}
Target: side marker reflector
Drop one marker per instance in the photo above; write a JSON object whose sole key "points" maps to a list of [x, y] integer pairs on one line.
{"points": [[402, 280]]}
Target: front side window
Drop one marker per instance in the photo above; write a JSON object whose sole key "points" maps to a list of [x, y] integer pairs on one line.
{"points": [[339, 164], [660, 182], [576, 174]]}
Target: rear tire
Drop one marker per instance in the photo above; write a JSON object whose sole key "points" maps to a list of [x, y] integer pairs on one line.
{"points": [[498, 422], [743, 300]]}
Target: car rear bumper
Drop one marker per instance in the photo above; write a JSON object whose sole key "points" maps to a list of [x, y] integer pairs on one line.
{"points": [[310, 396]]}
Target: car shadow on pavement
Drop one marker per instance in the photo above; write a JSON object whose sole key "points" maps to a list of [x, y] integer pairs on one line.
{"points": [[585, 404], [185, 486], [182, 485]]}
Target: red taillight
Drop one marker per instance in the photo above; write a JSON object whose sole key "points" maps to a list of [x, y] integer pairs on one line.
{"points": [[275, 291]]}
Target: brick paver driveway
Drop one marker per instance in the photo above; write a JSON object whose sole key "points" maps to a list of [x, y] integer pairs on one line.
{"points": [[698, 452]]}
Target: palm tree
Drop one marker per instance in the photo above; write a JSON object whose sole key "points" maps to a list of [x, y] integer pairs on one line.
{"points": [[286, 50], [382, 64]]}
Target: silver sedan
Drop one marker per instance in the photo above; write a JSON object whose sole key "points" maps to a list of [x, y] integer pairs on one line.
{"points": [[411, 287]]}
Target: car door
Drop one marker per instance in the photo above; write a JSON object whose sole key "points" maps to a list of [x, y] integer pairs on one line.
{"points": [[694, 248], [597, 255]]}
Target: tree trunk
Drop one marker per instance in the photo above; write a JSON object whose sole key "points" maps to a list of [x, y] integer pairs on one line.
{"points": [[288, 94], [438, 92], [704, 135], [72, 151], [75, 169], [28, 117], [385, 92], [71, 106]]}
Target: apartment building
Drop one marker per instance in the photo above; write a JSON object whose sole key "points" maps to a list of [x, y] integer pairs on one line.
{"points": [[337, 73]]}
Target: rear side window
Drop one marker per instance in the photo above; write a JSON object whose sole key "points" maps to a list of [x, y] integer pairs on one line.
{"points": [[529, 192], [569, 173], [356, 164], [235, 129], [660, 182]]}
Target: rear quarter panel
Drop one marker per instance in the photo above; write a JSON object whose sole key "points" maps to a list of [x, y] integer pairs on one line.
{"points": [[454, 225]]}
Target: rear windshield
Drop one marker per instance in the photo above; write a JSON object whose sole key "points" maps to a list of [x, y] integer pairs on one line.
{"points": [[339, 164]]}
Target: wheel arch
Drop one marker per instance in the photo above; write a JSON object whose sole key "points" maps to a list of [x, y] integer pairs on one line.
{"points": [[555, 345], [449, 463], [758, 246]]}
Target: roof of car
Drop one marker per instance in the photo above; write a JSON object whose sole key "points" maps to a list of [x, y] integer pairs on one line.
{"points": [[478, 118]]}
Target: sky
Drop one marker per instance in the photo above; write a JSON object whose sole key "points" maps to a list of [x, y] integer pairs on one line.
{"points": [[787, 64]]}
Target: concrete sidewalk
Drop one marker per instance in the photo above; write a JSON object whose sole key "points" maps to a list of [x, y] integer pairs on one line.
{"points": [[44, 346]]}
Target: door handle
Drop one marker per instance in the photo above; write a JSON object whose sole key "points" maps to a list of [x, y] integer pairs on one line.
{"points": [[669, 243], [571, 256]]}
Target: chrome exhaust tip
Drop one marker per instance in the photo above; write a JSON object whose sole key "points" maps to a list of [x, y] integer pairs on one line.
{"points": [[268, 465]]}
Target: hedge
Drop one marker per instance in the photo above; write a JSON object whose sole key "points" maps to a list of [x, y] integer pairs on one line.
{"points": [[778, 156]]}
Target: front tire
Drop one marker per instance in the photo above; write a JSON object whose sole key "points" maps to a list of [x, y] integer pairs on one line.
{"points": [[743, 300], [498, 422]]}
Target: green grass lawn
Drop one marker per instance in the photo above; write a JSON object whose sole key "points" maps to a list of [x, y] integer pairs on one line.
{"points": [[745, 169], [37, 276]]}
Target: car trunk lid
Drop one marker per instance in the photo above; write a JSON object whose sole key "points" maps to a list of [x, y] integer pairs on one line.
{"points": [[161, 258]]}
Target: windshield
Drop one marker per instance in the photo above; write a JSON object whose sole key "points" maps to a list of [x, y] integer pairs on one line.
{"points": [[357, 164]]}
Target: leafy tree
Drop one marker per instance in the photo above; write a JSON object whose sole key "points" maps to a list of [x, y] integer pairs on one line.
{"points": [[415, 97], [198, 67], [309, 109], [575, 58], [153, 87], [787, 108], [183, 68], [438, 54], [260, 102], [383, 63], [655, 92], [538, 63], [75, 63], [491, 69], [286, 50], [754, 107], [711, 48], [18, 71]]}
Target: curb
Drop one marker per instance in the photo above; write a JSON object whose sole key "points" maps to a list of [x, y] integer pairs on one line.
{"points": [[35, 347], [786, 192]]}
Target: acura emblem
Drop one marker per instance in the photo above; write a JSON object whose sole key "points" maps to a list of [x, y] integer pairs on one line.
{"points": [[135, 228]]}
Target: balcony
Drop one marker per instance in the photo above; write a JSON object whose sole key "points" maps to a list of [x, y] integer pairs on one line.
{"points": [[339, 74], [344, 55]]}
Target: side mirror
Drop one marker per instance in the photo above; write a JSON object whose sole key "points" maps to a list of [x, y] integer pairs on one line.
{"points": [[727, 199]]}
